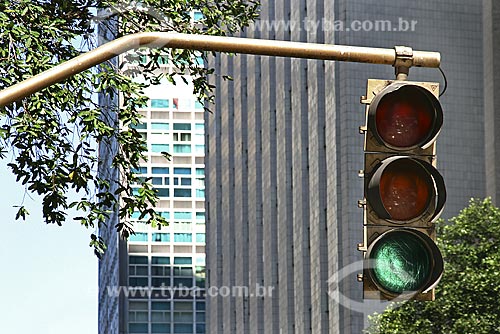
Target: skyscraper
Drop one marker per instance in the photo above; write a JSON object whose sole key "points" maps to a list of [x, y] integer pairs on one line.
{"points": [[491, 49], [154, 281], [284, 150]]}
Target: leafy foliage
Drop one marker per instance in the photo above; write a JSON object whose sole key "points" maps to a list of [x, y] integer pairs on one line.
{"points": [[467, 295], [52, 136]]}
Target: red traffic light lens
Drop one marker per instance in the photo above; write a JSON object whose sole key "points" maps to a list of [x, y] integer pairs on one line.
{"points": [[405, 189], [405, 117]]}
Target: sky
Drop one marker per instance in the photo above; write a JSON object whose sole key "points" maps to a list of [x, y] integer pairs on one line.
{"points": [[48, 279]]}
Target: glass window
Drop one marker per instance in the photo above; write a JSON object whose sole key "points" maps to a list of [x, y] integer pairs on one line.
{"points": [[200, 215], [160, 126], [200, 193], [183, 282], [183, 306], [200, 317], [197, 15], [200, 282], [199, 60], [182, 136], [138, 270], [183, 271], [182, 126], [135, 215], [160, 103], [160, 260], [199, 148], [180, 148], [183, 328], [183, 171], [161, 317], [160, 328], [134, 306], [185, 181], [138, 281], [183, 237], [160, 306], [165, 214], [199, 171], [138, 327], [160, 170], [200, 237], [158, 148], [179, 192], [140, 170], [199, 127], [163, 192], [160, 281], [200, 328], [200, 305], [161, 237], [198, 105], [138, 260], [183, 260], [138, 237], [160, 271], [182, 215], [137, 316], [183, 316], [157, 181], [139, 126]]}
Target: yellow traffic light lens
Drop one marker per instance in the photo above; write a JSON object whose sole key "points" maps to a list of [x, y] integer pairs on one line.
{"points": [[405, 117], [401, 262], [405, 189]]}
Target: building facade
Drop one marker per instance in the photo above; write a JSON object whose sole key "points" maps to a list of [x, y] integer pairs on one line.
{"points": [[154, 282], [284, 150], [491, 47]]}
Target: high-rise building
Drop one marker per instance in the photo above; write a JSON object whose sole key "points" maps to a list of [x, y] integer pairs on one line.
{"points": [[491, 70], [154, 282], [284, 150]]}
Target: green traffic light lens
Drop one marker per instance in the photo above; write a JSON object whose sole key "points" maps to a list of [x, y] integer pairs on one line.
{"points": [[401, 262]]}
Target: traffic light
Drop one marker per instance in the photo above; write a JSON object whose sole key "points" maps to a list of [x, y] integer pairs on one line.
{"points": [[404, 193]]}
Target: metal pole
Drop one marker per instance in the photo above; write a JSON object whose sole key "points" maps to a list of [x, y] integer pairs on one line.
{"points": [[209, 43]]}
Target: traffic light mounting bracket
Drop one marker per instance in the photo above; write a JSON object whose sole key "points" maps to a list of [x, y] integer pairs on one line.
{"points": [[404, 60]]}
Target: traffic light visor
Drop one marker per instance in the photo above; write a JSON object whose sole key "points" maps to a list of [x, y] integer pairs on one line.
{"points": [[405, 116], [405, 261]]}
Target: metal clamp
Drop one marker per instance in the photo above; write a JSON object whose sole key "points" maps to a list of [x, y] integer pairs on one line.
{"points": [[403, 62]]}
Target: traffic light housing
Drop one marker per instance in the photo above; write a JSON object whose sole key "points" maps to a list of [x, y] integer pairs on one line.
{"points": [[404, 193]]}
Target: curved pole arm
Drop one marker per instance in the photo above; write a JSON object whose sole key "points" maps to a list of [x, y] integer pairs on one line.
{"points": [[209, 43]]}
